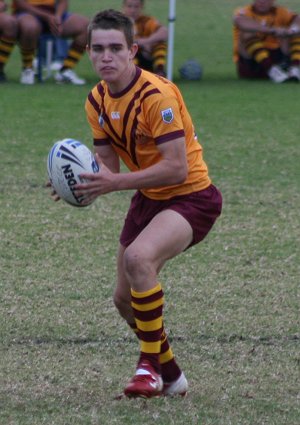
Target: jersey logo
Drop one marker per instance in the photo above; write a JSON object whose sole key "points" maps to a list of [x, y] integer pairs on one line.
{"points": [[167, 115], [101, 121], [115, 115]]}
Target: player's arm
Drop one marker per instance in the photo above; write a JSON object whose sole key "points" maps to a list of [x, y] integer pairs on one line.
{"points": [[61, 8], [248, 25], [161, 34], [294, 29], [170, 170], [108, 157]]}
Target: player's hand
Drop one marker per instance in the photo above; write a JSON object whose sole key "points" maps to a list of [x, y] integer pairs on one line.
{"points": [[144, 44], [55, 25], [53, 194], [281, 32], [294, 30], [97, 184]]}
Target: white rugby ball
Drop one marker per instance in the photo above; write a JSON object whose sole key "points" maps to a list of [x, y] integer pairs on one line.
{"points": [[67, 159]]}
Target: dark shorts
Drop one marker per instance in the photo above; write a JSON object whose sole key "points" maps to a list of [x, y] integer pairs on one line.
{"points": [[45, 26], [248, 68], [200, 209], [143, 62]]}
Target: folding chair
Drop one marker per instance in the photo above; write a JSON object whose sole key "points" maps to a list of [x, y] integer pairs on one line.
{"points": [[45, 48]]}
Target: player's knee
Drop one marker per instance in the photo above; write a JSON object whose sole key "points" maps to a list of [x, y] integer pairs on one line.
{"points": [[135, 263]]}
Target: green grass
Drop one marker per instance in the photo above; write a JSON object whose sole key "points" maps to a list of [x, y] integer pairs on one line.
{"points": [[232, 302]]}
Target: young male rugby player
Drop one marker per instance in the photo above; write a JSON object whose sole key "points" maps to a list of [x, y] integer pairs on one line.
{"points": [[141, 119]]}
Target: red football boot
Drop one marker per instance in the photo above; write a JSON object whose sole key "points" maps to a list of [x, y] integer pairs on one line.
{"points": [[146, 382]]}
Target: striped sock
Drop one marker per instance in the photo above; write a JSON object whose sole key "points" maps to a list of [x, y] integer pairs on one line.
{"points": [[147, 308], [75, 53], [27, 57], [6, 47], [295, 51], [170, 371], [256, 49], [159, 54]]}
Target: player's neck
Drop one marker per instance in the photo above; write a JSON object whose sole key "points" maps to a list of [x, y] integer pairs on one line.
{"points": [[124, 81]]}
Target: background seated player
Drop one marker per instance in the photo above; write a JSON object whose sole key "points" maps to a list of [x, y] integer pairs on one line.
{"points": [[267, 41], [151, 37], [8, 35], [38, 16]]}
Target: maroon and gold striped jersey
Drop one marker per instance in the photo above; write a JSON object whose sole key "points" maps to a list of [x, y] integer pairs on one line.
{"points": [[145, 26], [47, 4], [277, 17], [149, 112]]}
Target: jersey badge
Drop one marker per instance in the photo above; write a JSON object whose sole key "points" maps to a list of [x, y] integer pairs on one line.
{"points": [[115, 115], [167, 115]]}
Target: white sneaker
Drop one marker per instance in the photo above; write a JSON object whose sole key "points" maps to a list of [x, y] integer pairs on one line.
{"points": [[277, 75], [294, 73], [27, 76], [55, 66], [69, 76], [178, 387]]}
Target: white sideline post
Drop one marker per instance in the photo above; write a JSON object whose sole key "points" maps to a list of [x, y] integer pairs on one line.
{"points": [[171, 28]]}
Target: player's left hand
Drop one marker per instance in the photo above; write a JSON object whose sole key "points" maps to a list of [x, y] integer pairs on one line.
{"points": [[53, 194], [97, 183]]}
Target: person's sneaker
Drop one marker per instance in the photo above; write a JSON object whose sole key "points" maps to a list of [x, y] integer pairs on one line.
{"points": [[56, 66], [69, 76], [2, 77], [178, 387], [277, 75], [146, 382], [27, 76], [294, 73]]}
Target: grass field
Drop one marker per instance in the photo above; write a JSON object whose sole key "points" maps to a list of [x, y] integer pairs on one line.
{"points": [[232, 302]]}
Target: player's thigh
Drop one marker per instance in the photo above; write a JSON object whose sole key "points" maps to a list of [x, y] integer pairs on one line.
{"points": [[167, 235], [29, 25], [74, 24], [8, 24]]}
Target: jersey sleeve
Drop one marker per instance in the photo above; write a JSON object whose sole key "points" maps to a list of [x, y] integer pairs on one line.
{"points": [[92, 109], [164, 120]]}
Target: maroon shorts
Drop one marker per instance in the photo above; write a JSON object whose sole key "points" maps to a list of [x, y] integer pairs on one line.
{"points": [[200, 209]]}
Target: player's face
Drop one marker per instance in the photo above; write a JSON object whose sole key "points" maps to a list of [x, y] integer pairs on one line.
{"points": [[132, 8], [263, 6], [110, 55]]}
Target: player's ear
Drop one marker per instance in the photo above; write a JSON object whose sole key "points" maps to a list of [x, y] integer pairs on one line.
{"points": [[133, 50]]}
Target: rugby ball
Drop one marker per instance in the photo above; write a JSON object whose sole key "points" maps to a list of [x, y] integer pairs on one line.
{"points": [[191, 70], [67, 159]]}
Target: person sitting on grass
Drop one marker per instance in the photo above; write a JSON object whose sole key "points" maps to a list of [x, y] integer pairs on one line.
{"points": [[267, 41], [38, 16], [151, 37], [8, 37]]}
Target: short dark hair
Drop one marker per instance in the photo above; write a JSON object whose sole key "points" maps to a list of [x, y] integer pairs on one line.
{"points": [[112, 19]]}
